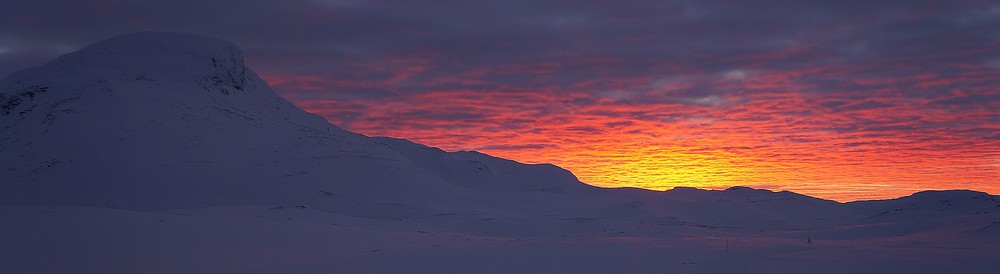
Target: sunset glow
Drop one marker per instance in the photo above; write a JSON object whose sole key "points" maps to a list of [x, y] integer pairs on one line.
{"points": [[842, 100], [845, 103], [842, 145]]}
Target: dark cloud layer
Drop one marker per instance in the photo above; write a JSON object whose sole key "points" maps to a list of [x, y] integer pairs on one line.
{"points": [[779, 93]]}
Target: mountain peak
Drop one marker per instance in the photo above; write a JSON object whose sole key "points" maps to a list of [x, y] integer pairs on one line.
{"points": [[126, 70], [740, 188], [216, 65]]}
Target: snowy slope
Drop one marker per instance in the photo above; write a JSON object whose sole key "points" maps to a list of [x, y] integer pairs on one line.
{"points": [[165, 120], [947, 202], [157, 142]]}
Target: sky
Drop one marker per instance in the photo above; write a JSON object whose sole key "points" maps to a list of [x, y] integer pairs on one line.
{"points": [[844, 100]]}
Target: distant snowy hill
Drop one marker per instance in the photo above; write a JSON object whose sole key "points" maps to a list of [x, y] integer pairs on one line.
{"points": [[157, 142]]}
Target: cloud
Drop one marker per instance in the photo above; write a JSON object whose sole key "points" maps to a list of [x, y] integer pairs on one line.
{"points": [[710, 101], [735, 75], [790, 93], [515, 147]]}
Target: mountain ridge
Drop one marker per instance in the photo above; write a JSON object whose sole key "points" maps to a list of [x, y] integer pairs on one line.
{"points": [[193, 127]]}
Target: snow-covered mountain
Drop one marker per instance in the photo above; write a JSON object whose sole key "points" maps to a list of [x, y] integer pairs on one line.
{"points": [[165, 120], [150, 137]]}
